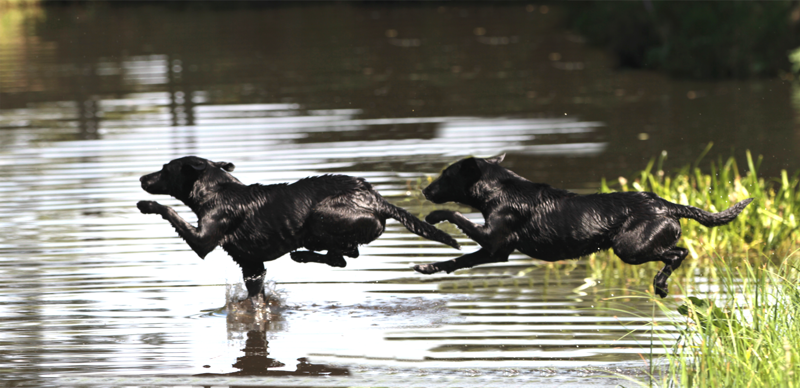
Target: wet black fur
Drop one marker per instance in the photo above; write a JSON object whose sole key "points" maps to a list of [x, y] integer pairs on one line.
{"points": [[258, 223], [552, 224]]}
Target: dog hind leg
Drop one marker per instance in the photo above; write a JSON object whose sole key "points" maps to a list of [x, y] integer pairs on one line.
{"points": [[672, 260], [335, 259], [652, 240], [341, 227], [351, 252], [332, 259]]}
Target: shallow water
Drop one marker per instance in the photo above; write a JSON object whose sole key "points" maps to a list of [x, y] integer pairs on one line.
{"points": [[93, 97]]}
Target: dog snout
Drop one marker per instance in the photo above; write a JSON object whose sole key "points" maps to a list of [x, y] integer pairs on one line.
{"points": [[150, 183], [431, 193], [146, 180], [426, 193]]}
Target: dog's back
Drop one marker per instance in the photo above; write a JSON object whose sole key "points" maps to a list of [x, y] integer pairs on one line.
{"points": [[317, 212], [309, 190], [565, 225], [271, 218]]}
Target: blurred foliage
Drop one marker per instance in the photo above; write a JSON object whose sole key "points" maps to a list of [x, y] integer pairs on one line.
{"points": [[693, 39]]}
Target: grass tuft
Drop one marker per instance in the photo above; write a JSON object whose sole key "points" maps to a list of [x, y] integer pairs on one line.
{"points": [[743, 335], [740, 329], [767, 227]]}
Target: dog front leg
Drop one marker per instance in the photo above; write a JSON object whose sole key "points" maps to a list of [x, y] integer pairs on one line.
{"points": [[482, 256], [484, 235], [253, 274], [202, 240]]}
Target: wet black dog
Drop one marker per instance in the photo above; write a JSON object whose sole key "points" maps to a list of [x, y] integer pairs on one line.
{"points": [[258, 223], [552, 224]]}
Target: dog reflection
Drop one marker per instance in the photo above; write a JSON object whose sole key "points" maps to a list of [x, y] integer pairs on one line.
{"points": [[256, 362]]}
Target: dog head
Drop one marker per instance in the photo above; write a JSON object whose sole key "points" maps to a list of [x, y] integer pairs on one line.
{"points": [[178, 177], [456, 182]]}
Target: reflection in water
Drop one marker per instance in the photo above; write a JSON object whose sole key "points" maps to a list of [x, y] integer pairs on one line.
{"points": [[256, 362], [256, 324]]}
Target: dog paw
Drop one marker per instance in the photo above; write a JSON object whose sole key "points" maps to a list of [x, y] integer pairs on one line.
{"points": [[306, 257], [338, 262], [661, 289], [453, 243], [438, 216], [298, 257], [427, 269], [149, 207]]}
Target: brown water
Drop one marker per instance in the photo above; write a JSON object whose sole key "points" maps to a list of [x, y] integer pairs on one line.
{"points": [[92, 97]]}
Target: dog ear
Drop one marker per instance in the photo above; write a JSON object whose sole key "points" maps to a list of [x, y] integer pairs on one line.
{"points": [[497, 159], [198, 165], [225, 166]]}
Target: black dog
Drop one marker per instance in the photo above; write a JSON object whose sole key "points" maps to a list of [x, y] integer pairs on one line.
{"points": [[260, 223], [552, 224]]}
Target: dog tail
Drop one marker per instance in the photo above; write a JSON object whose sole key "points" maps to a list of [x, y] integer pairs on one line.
{"points": [[710, 219], [417, 226]]}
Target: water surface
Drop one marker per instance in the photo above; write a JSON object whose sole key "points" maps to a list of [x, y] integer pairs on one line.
{"points": [[92, 97]]}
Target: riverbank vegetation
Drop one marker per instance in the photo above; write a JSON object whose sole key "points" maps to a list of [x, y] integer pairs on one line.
{"points": [[740, 329], [741, 333], [692, 39], [767, 228]]}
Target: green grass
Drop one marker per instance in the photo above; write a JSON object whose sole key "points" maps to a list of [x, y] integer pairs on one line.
{"points": [[767, 227], [743, 335], [741, 331]]}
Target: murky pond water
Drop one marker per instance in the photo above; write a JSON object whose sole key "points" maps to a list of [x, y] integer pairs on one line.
{"points": [[92, 97]]}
